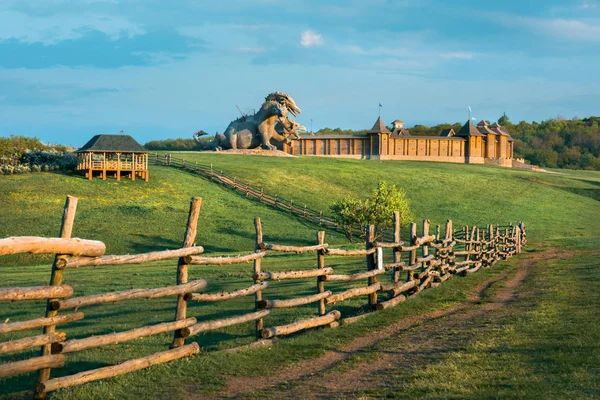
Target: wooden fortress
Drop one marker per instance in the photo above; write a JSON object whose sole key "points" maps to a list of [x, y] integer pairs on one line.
{"points": [[117, 155]]}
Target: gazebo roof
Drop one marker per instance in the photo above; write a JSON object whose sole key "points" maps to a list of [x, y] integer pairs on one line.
{"points": [[120, 143], [379, 127]]}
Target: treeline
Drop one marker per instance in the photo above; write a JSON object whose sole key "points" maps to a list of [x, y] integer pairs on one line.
{"points": [[21, 154], [172, 144]]}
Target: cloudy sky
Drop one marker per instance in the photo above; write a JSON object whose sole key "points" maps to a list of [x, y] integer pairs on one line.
{"points": [[158, 69]]}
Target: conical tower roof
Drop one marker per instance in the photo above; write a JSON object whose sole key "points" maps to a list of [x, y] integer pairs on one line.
{"points": [[468, 129], [379, 127]]}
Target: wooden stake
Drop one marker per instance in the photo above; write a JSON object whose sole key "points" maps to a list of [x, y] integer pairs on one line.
{"points": [[56, 278], [182, 266], [321, 265], [371, 264], [258, 294], [397, 254]]}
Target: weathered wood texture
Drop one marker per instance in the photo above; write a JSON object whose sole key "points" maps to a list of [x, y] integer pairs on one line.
{"points": [[227, 295], [225, 322], [119, 337], [292, 249], [29, 342], [131, 294], [227, 260], [355, 277], [301, 325], [293, 302], [40, 245], [76, 262], [347, 294], [39, 322], [35, 293], [31, 364], [277, 276], [119, 369]]}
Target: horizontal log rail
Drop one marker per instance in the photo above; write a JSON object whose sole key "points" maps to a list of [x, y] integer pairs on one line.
{"points": [[40, 245], [388, 245], [425, 259], [278, 276], [35, 293], [355, 277], [227, 260], [227, 295], [225, 322], [339, 252], [394, 301], [397, 288], [119, 369], [31, 364], [72, 345], [29, 342], [419, 241], [39, 322], [410, 248], [402, 266], [301, 325], [131, 294], [292, 249], [293, 302], [467, 252], [76, 262], [345, 295]]}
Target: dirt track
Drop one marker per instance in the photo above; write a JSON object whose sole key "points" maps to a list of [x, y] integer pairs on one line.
{"points": [[408, 343]]}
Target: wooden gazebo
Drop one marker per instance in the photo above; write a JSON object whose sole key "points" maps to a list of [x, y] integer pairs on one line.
{"points": [[114, 154]]}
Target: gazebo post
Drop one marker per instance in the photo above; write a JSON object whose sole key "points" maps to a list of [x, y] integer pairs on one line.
{"points": [[118, 166]]}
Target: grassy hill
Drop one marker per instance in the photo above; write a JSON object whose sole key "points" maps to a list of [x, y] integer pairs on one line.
{"points": [[559, 209]]}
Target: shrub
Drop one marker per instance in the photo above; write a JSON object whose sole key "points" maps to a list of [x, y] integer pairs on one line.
{"points": [[354, 214]]}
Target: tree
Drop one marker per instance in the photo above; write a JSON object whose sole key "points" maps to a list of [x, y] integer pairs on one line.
{"points": [[353, 214]]}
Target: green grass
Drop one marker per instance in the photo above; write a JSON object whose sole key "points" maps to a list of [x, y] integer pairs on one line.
{"points": [[134, 217]]}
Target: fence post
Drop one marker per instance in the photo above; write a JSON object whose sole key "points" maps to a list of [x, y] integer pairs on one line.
{"points": [[371, 264], [56, 279], [413, 253], [182, 266], [258, 294], [321, 265], [320, 217], [397, 254]]}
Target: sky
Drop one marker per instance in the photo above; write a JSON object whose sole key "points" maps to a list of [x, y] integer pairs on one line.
{"points": [[71, 69]]}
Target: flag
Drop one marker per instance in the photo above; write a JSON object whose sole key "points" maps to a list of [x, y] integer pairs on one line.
{"points": [[470, 109], [380, 105]]}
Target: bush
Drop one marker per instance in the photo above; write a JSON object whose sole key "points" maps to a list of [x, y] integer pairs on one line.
{"points": [[354, 214]]}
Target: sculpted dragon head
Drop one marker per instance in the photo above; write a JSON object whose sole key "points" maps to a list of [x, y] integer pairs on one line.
{"points": [[285, 100]]}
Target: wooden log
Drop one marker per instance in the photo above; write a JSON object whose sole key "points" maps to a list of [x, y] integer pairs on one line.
{"points": [[371, 264], [355, 277], [445, 277], [292, 249], [182, 266], [39, 322], [227, 260], [119, 337], [422, 274], [466, 253], [32, 341], [347, 294], [397, 254], [35, 293], [277, 276], [338, 252], [425, 284], [227, 295], [321, 279], [391, 303], [413, 252], [131, 294], [253, 345], [462, 263], [40, 245], [56, 278], [424, 239], [425, 259], [76, 262], [257, 271], [461, 269], [31, 364], [119, 369], [389, 245], [225, 322], [301, 325], [293, 302], [399, 288], [434, 284]]}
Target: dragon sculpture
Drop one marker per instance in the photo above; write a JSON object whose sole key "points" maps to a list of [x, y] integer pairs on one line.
{"points": [[251, 131]]}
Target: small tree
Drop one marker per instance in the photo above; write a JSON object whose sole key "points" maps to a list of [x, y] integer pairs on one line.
{"points": [[353, 214]]}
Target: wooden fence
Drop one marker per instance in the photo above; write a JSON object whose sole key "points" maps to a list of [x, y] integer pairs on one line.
{"points": [[426, 261]]}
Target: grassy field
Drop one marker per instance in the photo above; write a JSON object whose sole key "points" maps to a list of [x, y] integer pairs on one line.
{"points": [[560, 211]]}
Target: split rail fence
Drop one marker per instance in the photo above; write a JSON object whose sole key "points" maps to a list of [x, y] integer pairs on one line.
{"points": [[426, 261]]}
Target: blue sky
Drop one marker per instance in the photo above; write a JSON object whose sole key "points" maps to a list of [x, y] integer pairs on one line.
{"points": [[160, 69]]}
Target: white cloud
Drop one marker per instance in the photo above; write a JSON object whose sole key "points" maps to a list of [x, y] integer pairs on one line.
{"points": [[458, 55], [56, 28], [569, 29], [310, 39]]}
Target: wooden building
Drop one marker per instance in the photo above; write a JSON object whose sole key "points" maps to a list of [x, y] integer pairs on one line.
{"points": [[116, 155], [471, 144]]}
